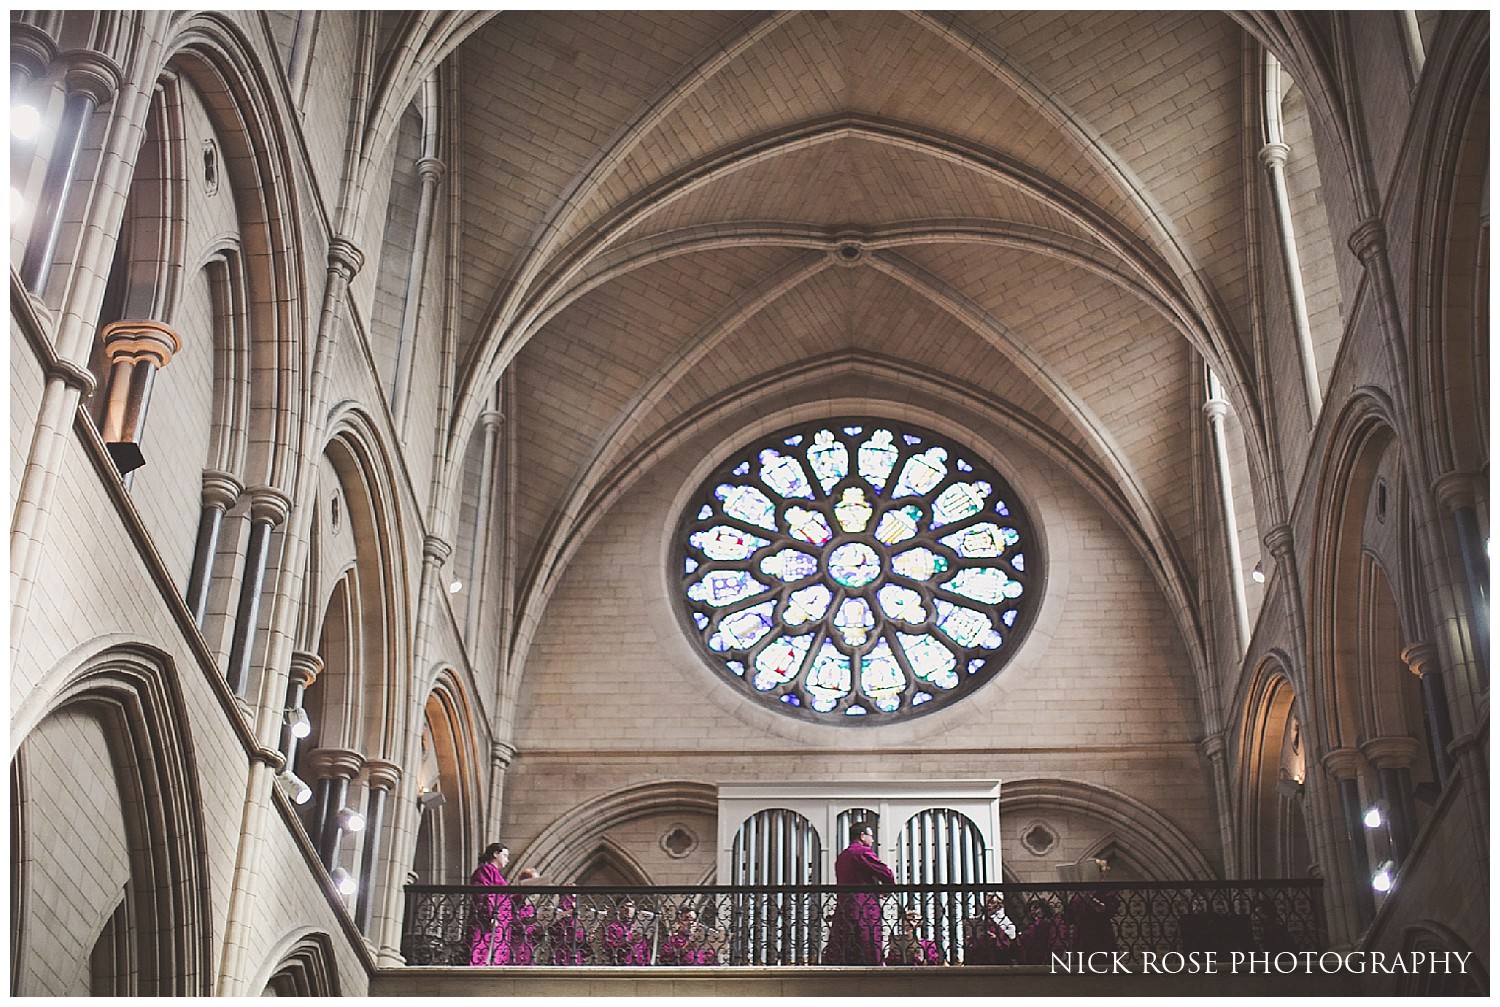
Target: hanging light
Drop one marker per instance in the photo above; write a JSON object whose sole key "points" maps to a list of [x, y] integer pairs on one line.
{"points": [[351, 820], [25, 123], [1384, 876], [455, 586], [344, 881], [292, 785], [298, 722], [1259, 573], [1374, 816]]}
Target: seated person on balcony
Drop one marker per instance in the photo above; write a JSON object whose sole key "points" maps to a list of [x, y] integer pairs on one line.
{"points": [[1271, 934], [1091, 915], [567, 937], [624, 944], [685, 944], [1212, 928], [990, 937], [493, 911], [1041, 934], [907, 945], [854, 934]]}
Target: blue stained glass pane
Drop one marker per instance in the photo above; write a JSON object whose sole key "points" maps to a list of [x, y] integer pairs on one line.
{"points": [[919, 564], [981, 540], [911, 438], [748, 504], [855, 711], [877, 457], [901, 603], [920, 698], [806, 605], [742, 468], [1009, 618], [700, 619], [792, 442], [724, 587], [1019, 561], [854, 431], [963, 466], [705, 512], [853, 564], [784, 475], [830, 678], [689, 565], [1000, 508], [791, 700], [976, 664], [985, 584], [880, 675], [780, 661], [789, 565], [930, 661], [739, 630], [959, 501], [854, 620], [829, 459], [722, 542], [808, 525], [898, 525], [888, 704], [921, 473], [738, 667], [963, 626]]}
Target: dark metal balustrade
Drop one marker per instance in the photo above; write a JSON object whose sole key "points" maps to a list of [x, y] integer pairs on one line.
{"points": [[789, 925]]}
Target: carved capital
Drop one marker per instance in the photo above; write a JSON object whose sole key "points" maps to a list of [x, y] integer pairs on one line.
{"points": [[1342, 763], [1274, 155], [1421, 658], [1455, 490], [382, 775], [1368, 239], [1212, 747], [306, 667], [334, 763], [1216, 410], [220, 489], [269, 505], [345, 259], [501, 754], [91, 73], [431, 169], [435, 550], [128, 341], [1392, 752], [491, 419], [31, 50], [75, 377], [1279, 541]]}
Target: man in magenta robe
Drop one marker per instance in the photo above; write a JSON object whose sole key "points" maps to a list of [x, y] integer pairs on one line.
{"points": [[854, 936], [567, 935], [624, 944], [1091, 915], [492, 910]]}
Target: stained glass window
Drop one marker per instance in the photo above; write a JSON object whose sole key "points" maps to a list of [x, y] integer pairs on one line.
{"points": [[856, 571]]}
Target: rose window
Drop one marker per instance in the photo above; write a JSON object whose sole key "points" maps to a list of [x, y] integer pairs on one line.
{"points": [[858, 571]]}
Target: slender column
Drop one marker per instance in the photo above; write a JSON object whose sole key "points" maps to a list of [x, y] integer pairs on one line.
{"points": [[332, 768], [306, 667], [383, 777], [1280, 541], [1212, 748], [1342, 766], [490, 421], [1455, 494], [1411, 34], [1421, 658], [1273, 155], [268, 508], [430, 169], [91, 80], [302, 47], [136, 350], [501, 756], [1216, 409], [220, 491], [1392, 758]]}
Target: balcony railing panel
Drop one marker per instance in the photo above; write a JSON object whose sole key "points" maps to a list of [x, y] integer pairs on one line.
{"points": [[909, 924]]}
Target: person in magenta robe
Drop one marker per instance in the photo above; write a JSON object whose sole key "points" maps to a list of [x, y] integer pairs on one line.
{"points": [[624, 944], [492, 910], [854, 935], [990, 937], [684, 946], [1041, 935], [908, 947], [1091, 916], [567, 936]]}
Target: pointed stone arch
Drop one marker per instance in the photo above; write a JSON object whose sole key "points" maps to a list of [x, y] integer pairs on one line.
{"points": [[564, 847], [303, 965]]}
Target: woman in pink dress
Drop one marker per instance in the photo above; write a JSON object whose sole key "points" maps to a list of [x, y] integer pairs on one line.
{"points": [[493, 911]]}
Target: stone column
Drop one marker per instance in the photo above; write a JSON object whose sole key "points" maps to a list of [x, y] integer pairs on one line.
{"points": [[1216, 409], [268, 508], [1212, 748], [91, 79], [220, 492], [1455, 494], [1273, 156], [383, 777], [430, 170], [332, 769], [501, 756], [135, 350], [1342, 766], [1392, 759], [1421, 658], [490, 421], [306, 667]]}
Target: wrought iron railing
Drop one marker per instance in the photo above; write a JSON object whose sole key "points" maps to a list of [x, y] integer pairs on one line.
{"points": [[840, 924]]}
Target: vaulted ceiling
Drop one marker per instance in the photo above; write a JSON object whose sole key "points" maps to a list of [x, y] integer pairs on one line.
{"points": [[1044, 210]]}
